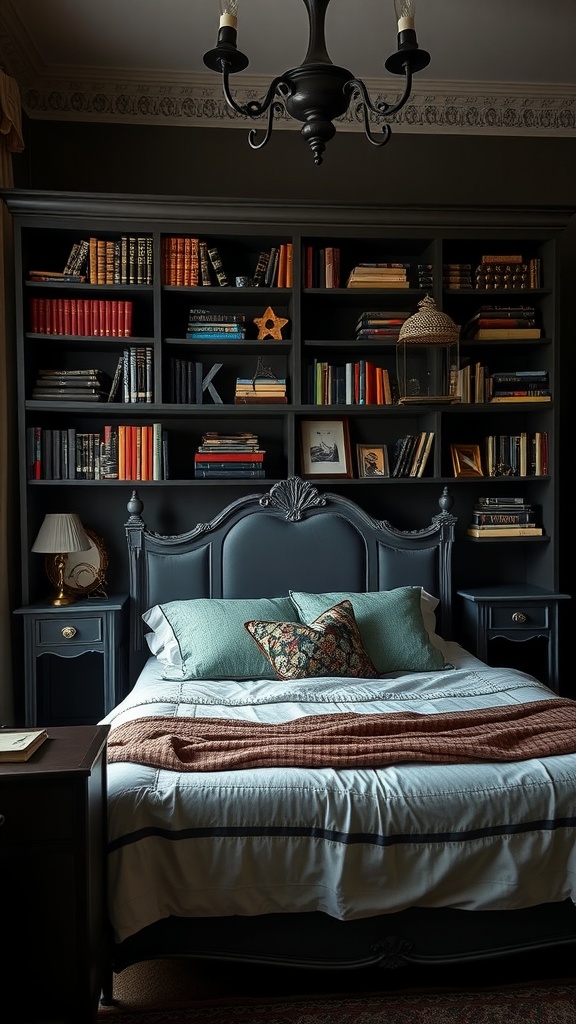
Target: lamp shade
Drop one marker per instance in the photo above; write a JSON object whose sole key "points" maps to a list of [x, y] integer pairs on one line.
{"points": [[61, 532]]}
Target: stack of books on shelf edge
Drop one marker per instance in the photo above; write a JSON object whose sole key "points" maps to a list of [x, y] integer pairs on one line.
{"points": [[384, 325], [502, 323], [379, 275], [257, 390], [204, 325], [229, 456], [91, 385], [504, 517], [457, 275], [520, 386]]}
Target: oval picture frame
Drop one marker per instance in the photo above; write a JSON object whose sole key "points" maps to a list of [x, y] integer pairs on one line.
{"points": [[85, 571]]}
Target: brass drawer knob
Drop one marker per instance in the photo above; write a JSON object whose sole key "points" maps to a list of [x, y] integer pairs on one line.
{"points": [[519, 617], [68, 632]]}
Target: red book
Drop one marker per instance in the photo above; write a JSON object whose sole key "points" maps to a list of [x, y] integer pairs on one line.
{"points": [[101, 317], [67, 316], [74, 317], [114, 318], [108, 319], [229, 457]]}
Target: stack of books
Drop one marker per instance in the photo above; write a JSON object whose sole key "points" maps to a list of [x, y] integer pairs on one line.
{"points": [[379, 275], [381, 323], [520, 386], [504, 517], [254, 390], [204, 325], [457, 275], [72, 385], [229, 456], [502, 323]]}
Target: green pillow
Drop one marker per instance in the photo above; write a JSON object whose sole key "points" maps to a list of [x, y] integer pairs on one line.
{"points": [[391, 626], [330, 646], [211, 639]]}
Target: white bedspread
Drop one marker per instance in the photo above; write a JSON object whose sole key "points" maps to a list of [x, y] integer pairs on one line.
{"points": [[352, 843]]}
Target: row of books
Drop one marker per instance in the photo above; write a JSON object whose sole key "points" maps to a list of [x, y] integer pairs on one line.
{"points": [[128, 259], [410, 454], [123, 452], [190, 382], [506, 517], [229, 456], [259, 390], [321, 266], [522, 454], [125, 260], [508, 271], [81, 317], [475, 383], [354, 383], [275, 267], [189, 261]]}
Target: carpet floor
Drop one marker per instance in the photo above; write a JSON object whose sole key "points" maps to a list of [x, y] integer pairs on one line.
{"points": [[535, 988]]}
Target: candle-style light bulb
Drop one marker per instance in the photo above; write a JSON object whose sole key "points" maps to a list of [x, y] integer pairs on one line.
{"points": [[229, 13], [404, 14]]}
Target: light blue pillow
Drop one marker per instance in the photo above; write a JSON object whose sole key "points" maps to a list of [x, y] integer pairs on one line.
{"points": [[391, 625], [205, 638]]}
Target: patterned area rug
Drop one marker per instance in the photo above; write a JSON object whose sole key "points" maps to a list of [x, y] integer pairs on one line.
{"points": [[555, 1004]]}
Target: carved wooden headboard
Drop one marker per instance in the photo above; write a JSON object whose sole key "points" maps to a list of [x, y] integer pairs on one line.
{"points": [[304, 540]]}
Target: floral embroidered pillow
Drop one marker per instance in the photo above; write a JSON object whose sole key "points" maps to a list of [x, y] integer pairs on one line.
{"points": [[330, 646]]}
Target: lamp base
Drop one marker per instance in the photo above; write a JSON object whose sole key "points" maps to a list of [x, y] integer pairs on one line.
{"points": [[60, 599]]}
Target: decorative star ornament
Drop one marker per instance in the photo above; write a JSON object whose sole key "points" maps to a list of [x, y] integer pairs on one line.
{"points": [[269, 325]]}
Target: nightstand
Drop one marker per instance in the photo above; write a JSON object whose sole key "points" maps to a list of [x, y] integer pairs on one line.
{"points": [[52, 878], [516, 612], [58, 692]]}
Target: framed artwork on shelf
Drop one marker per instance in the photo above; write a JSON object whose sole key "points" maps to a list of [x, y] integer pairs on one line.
{"points": [[466, 460], [372, 460], [85, 571], [325, 448]]}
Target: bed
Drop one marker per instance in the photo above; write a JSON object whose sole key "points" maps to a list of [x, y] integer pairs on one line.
{"points": [[258, 808]]}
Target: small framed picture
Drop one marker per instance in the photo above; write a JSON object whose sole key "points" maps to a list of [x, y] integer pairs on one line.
{"points": [[466, 460], [325, 448], [372, 460]]}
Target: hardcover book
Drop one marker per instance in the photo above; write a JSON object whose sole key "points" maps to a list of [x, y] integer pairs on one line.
{"points": [[20, 744]]}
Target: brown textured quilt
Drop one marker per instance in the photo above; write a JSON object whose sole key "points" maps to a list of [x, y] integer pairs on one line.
{"points": [[348, 740]]}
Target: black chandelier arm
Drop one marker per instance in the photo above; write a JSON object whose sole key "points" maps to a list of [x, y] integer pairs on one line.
{"points": [[276, 107], [385, 129], [381, 109], [254, 108]]}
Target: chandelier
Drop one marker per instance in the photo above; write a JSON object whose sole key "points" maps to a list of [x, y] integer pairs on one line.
{"points": [[317, 91]]}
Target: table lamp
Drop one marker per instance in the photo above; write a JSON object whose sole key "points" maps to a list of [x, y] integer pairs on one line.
{"points": [[60, 533]]}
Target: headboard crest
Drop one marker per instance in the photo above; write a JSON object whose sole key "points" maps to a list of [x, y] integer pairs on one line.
{"points": [[293, 496]]}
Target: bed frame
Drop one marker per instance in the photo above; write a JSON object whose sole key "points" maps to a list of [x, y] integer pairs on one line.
{"points": [[296, 537]]}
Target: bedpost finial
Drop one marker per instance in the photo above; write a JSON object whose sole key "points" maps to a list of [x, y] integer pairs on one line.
{"points": [[445, 500], [135, 506]]}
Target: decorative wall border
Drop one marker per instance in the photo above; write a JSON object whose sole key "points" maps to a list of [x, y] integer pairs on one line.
{"points": [[444, 108]]}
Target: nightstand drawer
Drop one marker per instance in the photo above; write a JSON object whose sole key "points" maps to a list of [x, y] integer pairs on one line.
{"points": [[35, 812], [72, 630], [519, 616]]}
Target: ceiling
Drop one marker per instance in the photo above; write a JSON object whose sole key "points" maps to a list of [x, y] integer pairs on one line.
{"points": [[498, 66]]}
